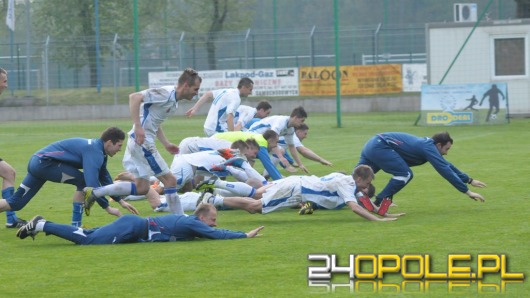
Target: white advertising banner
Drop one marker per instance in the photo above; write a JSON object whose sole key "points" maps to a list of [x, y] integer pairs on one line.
{"points": [[267, 81]]}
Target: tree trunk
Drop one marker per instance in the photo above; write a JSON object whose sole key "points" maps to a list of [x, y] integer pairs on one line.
{"points": [[216, 26], [92, 66], [210, 48]]}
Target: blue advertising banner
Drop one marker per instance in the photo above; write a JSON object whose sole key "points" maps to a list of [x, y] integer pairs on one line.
{"points": [[464, 104]]}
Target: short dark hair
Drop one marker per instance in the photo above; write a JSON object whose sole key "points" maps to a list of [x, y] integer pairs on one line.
{"points": [[189, 76], [247, 82], [442, 138], [113, 134], [299, 112], [263, 105], [269, 134]]}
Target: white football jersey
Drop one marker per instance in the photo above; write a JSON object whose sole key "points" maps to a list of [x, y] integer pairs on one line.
{"points": [[330, 191], [244, 114], [276, 123], [296, 142], [225, 101], [158, 104]]}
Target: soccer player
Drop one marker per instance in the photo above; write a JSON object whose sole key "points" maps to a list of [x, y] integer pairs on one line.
{"points": [[197, 144], [214, 163], [329, 192], [8, 173], [396, 152], [132, 228], [267, 141], [283, 126], [245, 115], [299, 135], [62, 162], [141, 157], [225, 102]]}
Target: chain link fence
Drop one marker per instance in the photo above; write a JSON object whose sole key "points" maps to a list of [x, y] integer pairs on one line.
{"points": [[57, 63]]}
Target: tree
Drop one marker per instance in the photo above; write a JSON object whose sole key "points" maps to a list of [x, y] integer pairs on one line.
{"points": [[212, 17], [73, 22]]}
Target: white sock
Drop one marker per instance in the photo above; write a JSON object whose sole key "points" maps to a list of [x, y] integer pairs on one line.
{"points": [[218, 200], [224, 192], [174, 203], [240, 189], [116, 189], [39, 227]]}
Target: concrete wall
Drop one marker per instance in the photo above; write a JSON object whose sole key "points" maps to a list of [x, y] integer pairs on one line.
{"points": [[371, 104], [476, 61]]}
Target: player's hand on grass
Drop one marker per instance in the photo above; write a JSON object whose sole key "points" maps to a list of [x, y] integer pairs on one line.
{"points": [[475, 196], [388, 219], [394, 215], [129, 207], [291, 169], [254, 232], [326, 163], [303, 168]]}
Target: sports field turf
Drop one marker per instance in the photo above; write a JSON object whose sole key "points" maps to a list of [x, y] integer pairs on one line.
{"points": [[439, 221]]}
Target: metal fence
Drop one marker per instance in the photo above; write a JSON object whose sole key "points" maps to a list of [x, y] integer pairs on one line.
{"points": [[56, 63]]}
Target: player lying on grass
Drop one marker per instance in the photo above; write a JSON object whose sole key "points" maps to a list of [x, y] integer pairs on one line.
{"points": [[132, 228], [309, 207], [329, 191], [185, 167]]}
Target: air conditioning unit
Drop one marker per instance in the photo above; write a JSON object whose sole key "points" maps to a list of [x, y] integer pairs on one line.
{"points": [[465, 12]]}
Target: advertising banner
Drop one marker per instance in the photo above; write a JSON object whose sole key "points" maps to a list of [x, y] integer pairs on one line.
{"points": [[267, 82], [464, 104], [355, 80]]}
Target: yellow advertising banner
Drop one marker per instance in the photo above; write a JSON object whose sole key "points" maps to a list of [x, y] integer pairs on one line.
{"points": [[355, 79]]}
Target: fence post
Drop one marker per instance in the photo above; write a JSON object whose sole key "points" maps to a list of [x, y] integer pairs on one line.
{"points": [[312, 46], [246, 48], [115, 77], [376, 45], [46, 75], [181, 50]]}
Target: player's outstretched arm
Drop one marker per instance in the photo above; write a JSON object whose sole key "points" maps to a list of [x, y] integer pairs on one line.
{"points": [[365, 214], [254, 232]]}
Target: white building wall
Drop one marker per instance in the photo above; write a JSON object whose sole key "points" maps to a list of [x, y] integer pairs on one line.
{"points": [[475, 64]]}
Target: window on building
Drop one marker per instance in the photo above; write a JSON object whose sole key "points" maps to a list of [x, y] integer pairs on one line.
{"points": [[510, 56]]}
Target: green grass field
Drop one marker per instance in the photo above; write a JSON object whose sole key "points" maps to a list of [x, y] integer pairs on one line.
{"points": [[439, 221]]}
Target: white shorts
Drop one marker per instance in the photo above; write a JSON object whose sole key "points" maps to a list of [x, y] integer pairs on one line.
{"points": [[183, 171], [189, 145], [284, 193], [143, 161]]}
